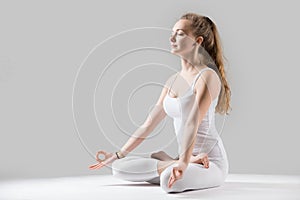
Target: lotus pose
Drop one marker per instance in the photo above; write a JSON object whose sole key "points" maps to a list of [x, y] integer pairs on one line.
{"points": [[191, 97]]}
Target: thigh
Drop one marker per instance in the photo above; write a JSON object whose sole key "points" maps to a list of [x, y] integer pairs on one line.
{"points": [[135, 164], [194, 177], [135, 168]]}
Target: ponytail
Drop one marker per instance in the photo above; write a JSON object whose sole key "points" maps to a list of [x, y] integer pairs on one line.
{"points": [[203, 26], [223, 106]]}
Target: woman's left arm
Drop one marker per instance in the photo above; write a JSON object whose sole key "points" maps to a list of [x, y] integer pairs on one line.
{"points": [[203, 99]]}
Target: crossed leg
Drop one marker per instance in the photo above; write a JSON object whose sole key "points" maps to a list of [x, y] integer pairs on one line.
{"points": [[134, 168], [165, 160]]}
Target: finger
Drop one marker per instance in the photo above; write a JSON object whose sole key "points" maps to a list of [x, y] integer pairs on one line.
{"points": [[91, 166], [99, 160], [172, 178], [178, 174], [96, 166], [204, 161], [106, 155], [206, 165], [98, 153], [207, 162], [171, 181]]}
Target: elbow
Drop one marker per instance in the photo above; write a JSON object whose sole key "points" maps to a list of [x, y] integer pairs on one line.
{"points": [[152, 122], [190, 125], [190, 129]]}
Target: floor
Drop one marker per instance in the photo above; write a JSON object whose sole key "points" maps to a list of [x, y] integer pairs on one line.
{"points": [[237, 186]]}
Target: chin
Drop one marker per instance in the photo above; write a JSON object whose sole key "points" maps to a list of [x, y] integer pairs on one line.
{"points": [[173, 51]]}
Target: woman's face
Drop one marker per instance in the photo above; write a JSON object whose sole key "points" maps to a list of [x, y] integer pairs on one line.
{"points": [[181, 39]]}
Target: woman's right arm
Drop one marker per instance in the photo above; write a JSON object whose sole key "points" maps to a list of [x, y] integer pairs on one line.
{"points": [[154, 118]]}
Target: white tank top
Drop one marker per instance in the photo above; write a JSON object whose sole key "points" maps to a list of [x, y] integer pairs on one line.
{"points": [[207, 139]]}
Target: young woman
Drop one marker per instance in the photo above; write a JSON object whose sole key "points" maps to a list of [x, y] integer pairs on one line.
{"points": [[191, 97]]}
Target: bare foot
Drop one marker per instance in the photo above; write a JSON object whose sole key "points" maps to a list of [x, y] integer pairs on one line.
{"points": [[161, 155], [201, 159], [162, 165]]}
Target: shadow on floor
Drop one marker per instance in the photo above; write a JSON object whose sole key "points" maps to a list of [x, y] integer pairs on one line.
{"points": [[134, 185], [230, 190], [239, 190]]}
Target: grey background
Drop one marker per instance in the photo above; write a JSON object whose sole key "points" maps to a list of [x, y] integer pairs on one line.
{"points": [[43, 44]]}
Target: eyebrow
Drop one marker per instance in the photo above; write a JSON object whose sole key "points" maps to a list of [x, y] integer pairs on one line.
{"points": [[179, 29]]}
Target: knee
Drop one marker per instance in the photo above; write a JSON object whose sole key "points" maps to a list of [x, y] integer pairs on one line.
{"points": [[116, 168], [164, 178], [120, 167]]}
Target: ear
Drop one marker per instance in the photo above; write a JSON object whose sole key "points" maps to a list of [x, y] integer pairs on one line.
{"points": [[199, 40]]}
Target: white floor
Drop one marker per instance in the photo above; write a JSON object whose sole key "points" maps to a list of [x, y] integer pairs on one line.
{"points": [[237, 186]]}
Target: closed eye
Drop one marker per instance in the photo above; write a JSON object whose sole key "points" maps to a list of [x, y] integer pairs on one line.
{"points": [[180, 34]]}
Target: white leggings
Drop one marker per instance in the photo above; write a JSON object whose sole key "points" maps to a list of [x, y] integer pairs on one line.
{"points": [[137, 169]]}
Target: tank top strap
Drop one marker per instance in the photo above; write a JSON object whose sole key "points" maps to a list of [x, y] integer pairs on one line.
{"points": [[172, 83], [198, 75]]}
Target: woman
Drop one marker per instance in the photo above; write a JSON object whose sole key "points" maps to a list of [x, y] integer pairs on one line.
{"points": [[191, 97]]}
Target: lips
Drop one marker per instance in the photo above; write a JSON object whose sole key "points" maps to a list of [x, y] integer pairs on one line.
{"points": [[173, 45]]}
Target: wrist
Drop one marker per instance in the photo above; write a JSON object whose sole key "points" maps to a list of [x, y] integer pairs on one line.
{"points": [[119, 154], [185, 161]]}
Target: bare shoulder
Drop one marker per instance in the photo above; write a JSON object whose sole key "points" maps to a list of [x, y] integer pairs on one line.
{"points": [[209, 79], [170, 79], [209, 76], [164, 91]]}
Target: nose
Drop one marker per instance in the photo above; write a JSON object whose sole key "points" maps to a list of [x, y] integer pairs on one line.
{"points": [[172, 38]]}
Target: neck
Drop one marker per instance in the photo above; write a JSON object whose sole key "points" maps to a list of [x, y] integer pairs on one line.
{"points": [[192, 63], [189, 68]]}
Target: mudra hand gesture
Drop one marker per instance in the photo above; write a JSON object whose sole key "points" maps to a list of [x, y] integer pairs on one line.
{"points": [[109, 158], [177, 173]]}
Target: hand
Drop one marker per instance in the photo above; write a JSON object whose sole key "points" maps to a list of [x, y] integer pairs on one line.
{"points": [[177, 173], [109, 158], [201, 158]]}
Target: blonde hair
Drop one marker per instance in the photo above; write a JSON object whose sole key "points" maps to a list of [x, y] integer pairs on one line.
{"points": [[203, 26]]}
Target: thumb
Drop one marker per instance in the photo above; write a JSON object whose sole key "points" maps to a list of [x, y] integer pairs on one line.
{"points": [[177, 172]]}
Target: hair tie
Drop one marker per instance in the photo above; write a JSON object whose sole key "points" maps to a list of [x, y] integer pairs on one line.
{"points": [[209, 21]]}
